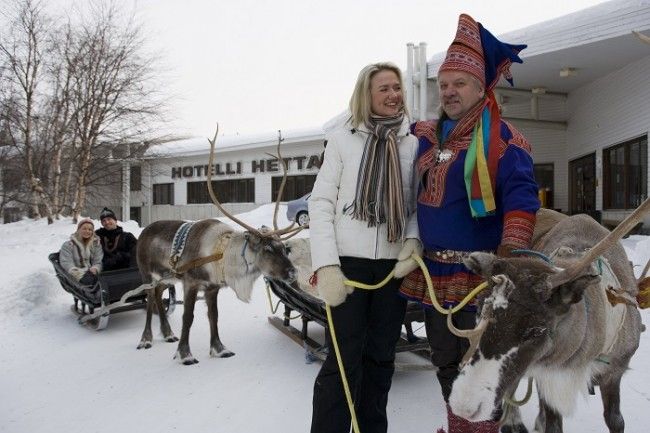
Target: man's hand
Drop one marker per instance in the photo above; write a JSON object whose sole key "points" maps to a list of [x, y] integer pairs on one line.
{"points": [[405, 264], [505, 251]]}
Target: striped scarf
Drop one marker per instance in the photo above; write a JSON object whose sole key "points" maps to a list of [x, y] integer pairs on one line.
{"points": [[378, 196]]}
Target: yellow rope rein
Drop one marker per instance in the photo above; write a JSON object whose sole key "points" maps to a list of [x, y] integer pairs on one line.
{"points": [[277, 304], [346, 388], [359, 285]]}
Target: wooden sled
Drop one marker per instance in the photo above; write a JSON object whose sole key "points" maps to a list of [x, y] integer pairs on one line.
{"points": [[114, 292], [312, 309]]}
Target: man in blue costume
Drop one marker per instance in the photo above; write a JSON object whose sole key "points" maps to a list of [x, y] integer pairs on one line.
{"points": [[477, 192]]}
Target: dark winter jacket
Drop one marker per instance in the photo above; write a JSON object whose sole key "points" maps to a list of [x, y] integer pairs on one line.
{"points": [[119, 248]]}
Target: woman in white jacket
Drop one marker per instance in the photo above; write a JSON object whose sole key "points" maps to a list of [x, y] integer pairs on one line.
{"points": [[362, 226], [81, 255]]}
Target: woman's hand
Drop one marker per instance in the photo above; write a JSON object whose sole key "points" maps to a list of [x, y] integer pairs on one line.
{"points": [[405, 264], [331, 285]]}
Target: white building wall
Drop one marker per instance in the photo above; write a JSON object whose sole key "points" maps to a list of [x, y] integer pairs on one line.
{"points": [[607, 112], [549, 108], [160, 171], [549, 146]]}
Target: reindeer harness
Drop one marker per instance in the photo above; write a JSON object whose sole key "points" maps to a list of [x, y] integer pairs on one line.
{"points": [[178, 245]]}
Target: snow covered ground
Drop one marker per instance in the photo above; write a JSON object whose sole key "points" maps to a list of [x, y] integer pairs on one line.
{"points": [[59, 377]]}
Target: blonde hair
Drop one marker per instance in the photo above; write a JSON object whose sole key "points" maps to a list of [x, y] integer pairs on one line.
{"points": [[361, 100]]}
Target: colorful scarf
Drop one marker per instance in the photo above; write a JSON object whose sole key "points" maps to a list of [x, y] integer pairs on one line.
{"points": [[482, 160], [378, 196]]}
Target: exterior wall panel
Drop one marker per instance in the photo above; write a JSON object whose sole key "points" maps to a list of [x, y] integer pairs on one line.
{"points": [[607, 112]]}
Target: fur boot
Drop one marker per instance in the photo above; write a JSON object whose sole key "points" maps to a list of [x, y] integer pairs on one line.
{"points": [[458, 424], [485, 427]]}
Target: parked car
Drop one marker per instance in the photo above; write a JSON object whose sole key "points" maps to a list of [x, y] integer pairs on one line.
{"points": [[297, 210]]}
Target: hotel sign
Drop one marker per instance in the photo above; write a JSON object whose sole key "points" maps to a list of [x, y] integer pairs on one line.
{"points": [[256, 166]]}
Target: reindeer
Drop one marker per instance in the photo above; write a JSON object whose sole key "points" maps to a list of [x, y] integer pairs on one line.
{"points": [[564, 324], [214, 256]]}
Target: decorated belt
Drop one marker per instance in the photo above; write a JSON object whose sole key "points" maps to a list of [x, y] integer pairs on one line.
{"points": [[448, 256]]}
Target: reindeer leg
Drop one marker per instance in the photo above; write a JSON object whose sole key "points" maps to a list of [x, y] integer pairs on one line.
{"points": [[147, 336], [183, 353], [540, 421], [217, 349], [552, 419], [610, 393], [513, 422], [165, 329]]}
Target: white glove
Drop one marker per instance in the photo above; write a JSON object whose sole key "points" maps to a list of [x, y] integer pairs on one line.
{"points": [[76, 272], [331, 286], [405, 264]]}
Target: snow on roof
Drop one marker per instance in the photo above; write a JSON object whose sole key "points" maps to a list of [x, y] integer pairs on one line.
{"points": [[229, 143], [603, 21]]}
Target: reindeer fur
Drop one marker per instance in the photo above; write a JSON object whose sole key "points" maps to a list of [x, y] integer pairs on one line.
{"points": [[300, 255]]}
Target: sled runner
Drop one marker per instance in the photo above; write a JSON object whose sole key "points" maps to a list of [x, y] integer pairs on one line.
{"points": [[114, 292], [312, 309]]}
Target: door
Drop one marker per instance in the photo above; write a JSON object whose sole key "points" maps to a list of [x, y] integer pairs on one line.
{"points": [[582, 185], [136, 214]]}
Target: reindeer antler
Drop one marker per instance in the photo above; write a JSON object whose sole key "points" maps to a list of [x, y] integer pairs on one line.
{"points": [[601, 247], [282, 184], [473, 335], [290, 229], [216, 202], [642, 37], [213, 196]]}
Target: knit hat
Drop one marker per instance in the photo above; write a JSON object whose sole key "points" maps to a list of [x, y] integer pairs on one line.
{"points": [[107, 213], [85, 221], [466, 52], [476, 51]]}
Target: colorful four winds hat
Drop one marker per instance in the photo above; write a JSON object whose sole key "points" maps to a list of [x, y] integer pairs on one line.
{"points": [[476, 51]]}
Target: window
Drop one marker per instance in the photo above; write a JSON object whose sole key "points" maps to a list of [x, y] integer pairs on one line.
{"points": [[625, 174], [136, 178], [163, 193], [135, 214], [227, 191], [544, 179], [296, 186]]}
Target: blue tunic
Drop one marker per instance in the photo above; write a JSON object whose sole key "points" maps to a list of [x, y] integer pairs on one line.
{"points": [[449, 225]]}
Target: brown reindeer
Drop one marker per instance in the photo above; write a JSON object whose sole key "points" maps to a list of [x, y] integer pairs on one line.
{"points": [[569, 325], [214, 256]]}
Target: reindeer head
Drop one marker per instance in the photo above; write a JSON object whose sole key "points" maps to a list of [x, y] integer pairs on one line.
{"points": [[520, 315], [269, 255]]}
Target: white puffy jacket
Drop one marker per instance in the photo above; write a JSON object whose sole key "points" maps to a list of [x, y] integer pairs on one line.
{"points": [[334, 233]]}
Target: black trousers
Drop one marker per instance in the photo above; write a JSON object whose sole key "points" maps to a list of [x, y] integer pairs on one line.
{"points": [[447, 350], [367, 327]]}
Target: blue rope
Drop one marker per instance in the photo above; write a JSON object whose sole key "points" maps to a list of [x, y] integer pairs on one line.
{"points": [[533, 253]]}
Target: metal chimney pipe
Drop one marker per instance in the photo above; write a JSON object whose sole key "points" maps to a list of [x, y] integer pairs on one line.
{"points": [[423, 80], [410, 88], [416, 83]]}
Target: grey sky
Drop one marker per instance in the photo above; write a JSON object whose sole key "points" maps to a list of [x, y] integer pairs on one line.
{"points": [[257, 66]]}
